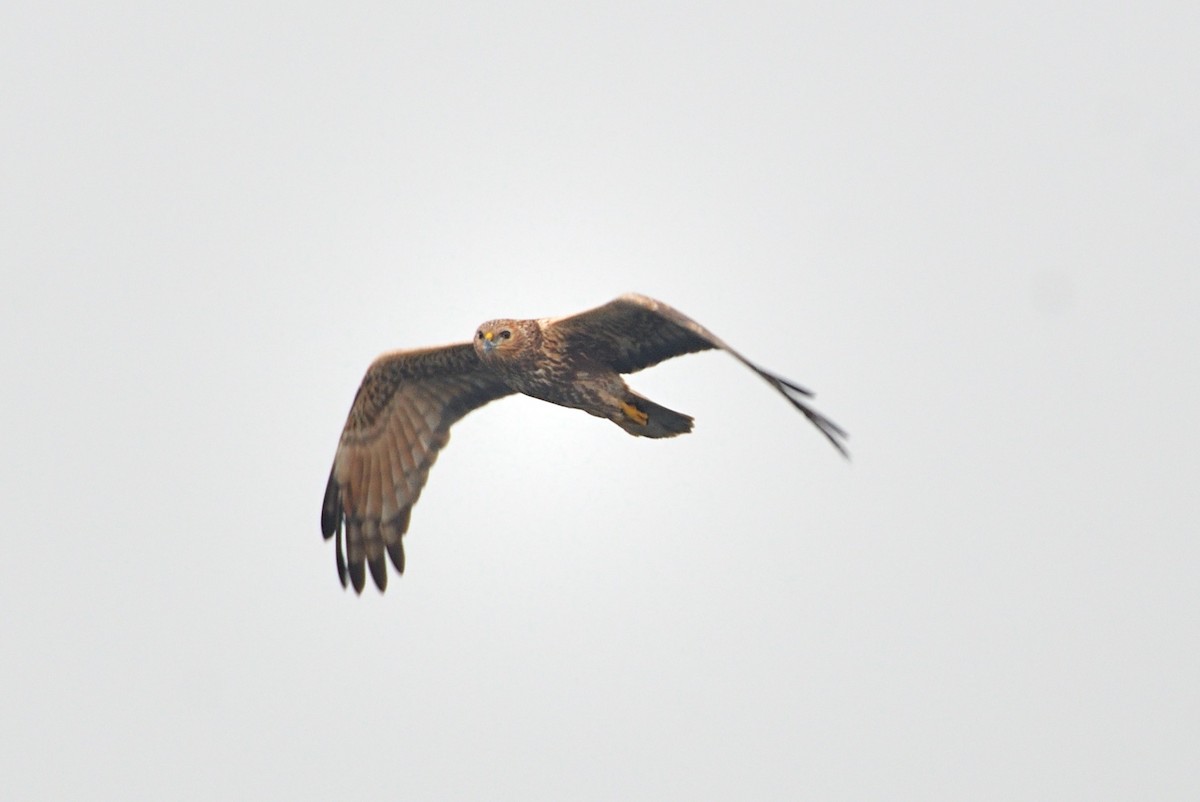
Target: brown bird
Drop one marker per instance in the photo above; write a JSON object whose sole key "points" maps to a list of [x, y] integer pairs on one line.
{"points": [[408, 400]]}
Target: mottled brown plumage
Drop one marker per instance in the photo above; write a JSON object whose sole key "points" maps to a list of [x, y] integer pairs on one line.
{"points": [[408, 400]]}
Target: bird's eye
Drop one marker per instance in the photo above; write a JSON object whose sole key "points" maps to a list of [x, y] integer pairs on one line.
{"points": [[479, 335], [504, 335]]}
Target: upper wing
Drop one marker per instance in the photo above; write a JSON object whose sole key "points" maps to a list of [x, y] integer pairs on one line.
{"points": [[635, 332], [400, 418]]}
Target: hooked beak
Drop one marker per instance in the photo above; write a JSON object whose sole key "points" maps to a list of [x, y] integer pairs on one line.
{"points": [[489, 341]]}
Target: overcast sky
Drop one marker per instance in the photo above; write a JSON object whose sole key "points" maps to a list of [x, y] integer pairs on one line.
{"points": [[971, 228]]}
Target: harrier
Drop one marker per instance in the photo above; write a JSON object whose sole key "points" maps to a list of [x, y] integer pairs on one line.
{"points": [[408, 400]]}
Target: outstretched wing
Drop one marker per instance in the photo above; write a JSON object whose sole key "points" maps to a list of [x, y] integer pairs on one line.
{"points": [[635, 332], [400, 418]]}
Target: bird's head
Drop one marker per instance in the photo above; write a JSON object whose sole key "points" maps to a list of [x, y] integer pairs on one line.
{"points": [[498, 338]]}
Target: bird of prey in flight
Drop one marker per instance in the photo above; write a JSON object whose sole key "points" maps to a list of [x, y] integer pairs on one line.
{"points": [[408, 400]]}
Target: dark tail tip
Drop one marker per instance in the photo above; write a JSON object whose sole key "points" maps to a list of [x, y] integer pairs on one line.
{"points": [[660, 421]]}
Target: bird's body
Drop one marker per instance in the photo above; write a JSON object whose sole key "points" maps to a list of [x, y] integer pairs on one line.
{"points": [[408, 400], [539, 358]]}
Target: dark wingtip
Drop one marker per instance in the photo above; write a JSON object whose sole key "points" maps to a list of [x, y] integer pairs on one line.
{"points": [[833, 433], [341, 558], [378, 572], [358, 576], [396, 553], [781, 382], [331, 508], [830, 429]]}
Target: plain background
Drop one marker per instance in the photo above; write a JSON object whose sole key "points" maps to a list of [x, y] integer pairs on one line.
{"points": [[972, 228]]}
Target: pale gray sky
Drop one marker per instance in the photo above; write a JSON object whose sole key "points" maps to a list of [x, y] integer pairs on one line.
{"points": [[972, 229]]}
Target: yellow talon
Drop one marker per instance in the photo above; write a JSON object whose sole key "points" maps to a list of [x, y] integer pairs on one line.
{"points": [[634, 414]]}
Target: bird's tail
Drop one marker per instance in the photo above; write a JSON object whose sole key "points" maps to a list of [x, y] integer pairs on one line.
{"points": [[641, 417]]}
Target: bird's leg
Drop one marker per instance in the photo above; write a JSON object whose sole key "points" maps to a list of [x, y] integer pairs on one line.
{"points": [[634, 414]]}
